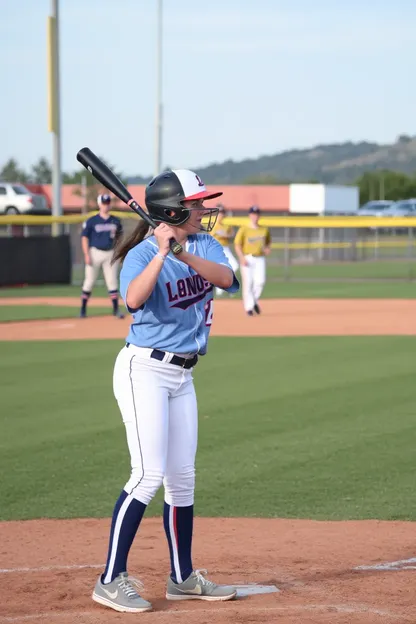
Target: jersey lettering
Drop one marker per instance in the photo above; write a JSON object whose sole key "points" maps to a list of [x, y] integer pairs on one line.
{"points": [[209, 312], [191, 286], [106, 227], [171, 296], [188, 291], [180, 284]]}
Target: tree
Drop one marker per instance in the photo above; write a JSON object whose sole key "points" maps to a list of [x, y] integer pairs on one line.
{"points": [[385, 184], [11, 172], [404, 138], [88, 187], [261, 178], [41, 172]]}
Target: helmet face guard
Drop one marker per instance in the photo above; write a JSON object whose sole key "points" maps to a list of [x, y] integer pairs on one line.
{"points": [[166, 193]]}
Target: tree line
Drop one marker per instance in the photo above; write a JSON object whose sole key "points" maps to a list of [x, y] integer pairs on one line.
{"points": [[377, 184], [41, 173]]}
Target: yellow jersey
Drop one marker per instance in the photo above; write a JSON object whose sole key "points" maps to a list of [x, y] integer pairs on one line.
{"points": [[222, 233], [253, 240]]}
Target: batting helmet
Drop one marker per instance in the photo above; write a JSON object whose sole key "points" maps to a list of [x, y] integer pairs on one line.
{"points": [[165, 194]]}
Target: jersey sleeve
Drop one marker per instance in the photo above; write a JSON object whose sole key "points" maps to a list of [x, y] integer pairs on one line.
{"points": [[268, 238], [86, 229], [239, 237], [134, 263], [215, 253]]}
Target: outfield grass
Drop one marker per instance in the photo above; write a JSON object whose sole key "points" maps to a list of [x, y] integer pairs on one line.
{"points": [[32, 313], [383, 279], [383, 269], [280, 436], [273, 290]]}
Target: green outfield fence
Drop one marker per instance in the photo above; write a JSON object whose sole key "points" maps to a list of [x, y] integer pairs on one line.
{"points": [[303, 248]]}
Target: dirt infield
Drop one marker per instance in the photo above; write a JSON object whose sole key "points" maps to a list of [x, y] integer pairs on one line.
{"points": [[285, 317], [48, 567]]}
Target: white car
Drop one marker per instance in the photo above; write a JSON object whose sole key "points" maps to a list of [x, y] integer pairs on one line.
{"points": [[375, 208], [17, 199]]}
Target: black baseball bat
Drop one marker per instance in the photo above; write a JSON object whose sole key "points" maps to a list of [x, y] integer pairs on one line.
{"points": [[108, 178]]}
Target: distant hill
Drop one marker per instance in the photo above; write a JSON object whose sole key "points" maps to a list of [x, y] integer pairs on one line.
{"points": [[330, 164]]}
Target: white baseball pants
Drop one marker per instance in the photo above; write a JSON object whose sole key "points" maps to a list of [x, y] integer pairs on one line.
{"points": [[159, 410], [253, 276], [100, 259], [234, 265]]}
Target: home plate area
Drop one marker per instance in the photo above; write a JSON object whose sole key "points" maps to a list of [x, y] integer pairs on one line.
{"points": [[290, 571]]}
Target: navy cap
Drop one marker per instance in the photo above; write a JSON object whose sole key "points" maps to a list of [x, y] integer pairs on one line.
{"points": [[104, 199], [254, 210]]}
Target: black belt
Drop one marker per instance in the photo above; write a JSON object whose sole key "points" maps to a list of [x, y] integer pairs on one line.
{"points": [[156, 354]]}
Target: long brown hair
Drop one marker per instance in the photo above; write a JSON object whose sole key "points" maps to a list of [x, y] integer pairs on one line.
{"points": [[125, 243]]}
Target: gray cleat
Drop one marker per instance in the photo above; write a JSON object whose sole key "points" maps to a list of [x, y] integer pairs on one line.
{"points": [[121, 594], [196, 587]]}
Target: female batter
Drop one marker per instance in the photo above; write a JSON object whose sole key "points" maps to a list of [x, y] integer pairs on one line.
{"points": [[171, 300]]}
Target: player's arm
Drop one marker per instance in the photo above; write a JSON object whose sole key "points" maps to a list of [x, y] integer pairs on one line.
{"points": [[238, 245], [214, 267], [85, 242], [217, 274], [141, 277], [268, 242], [141, 287]]}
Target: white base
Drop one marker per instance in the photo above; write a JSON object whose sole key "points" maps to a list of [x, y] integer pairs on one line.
{"points": [[250, 590]]}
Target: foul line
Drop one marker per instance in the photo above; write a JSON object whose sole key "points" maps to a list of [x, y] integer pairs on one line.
{"points": [[169, 614], [51, 568], [402, 564]]}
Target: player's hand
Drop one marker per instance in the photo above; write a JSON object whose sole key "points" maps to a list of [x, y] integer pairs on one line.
{"points": [[164, 233], [243, 262], [87, 259]]}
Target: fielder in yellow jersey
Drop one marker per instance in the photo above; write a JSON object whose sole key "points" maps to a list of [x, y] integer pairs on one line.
{"points": [[252, 244], [224, 235]]}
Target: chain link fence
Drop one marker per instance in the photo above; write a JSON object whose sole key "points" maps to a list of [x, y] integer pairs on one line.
{"points": [[379, 251]]}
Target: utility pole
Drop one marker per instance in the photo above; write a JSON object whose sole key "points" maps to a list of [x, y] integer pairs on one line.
{"points": [[159, 106], [54, 121]]}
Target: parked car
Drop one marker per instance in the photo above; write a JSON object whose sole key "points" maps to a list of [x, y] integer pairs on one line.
{"points": [[374, 208], [402, 208], [17, 199]]}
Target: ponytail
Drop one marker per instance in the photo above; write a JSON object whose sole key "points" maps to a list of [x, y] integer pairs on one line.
{"points": [[124, 244]]}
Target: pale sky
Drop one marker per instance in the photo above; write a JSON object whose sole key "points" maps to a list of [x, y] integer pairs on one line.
{"points": [[242, 78]]}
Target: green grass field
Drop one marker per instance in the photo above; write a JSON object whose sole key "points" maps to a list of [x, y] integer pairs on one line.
{"points": [[273, 290], [383, 279], [26, 313], [280, 436]]}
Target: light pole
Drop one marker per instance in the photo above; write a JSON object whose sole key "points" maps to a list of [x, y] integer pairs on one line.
{"points": [[159, 106], [54, 121]]}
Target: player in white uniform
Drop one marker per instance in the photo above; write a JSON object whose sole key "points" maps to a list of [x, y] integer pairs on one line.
{"points": [[99, 235], [171, 300], [224, 234], [252, 244]]}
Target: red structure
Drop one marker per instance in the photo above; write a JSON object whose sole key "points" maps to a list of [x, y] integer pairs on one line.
{"points": [[273, 199]]}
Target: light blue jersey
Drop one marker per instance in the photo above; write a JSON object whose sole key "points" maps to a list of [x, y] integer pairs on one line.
{"points": [[177, 316]]}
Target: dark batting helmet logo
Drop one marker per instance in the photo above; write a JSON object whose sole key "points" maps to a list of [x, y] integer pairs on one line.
{"points": [[200, 183]]}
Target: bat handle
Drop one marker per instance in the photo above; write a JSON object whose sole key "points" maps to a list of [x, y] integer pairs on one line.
{"points": [[175, 247]]}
